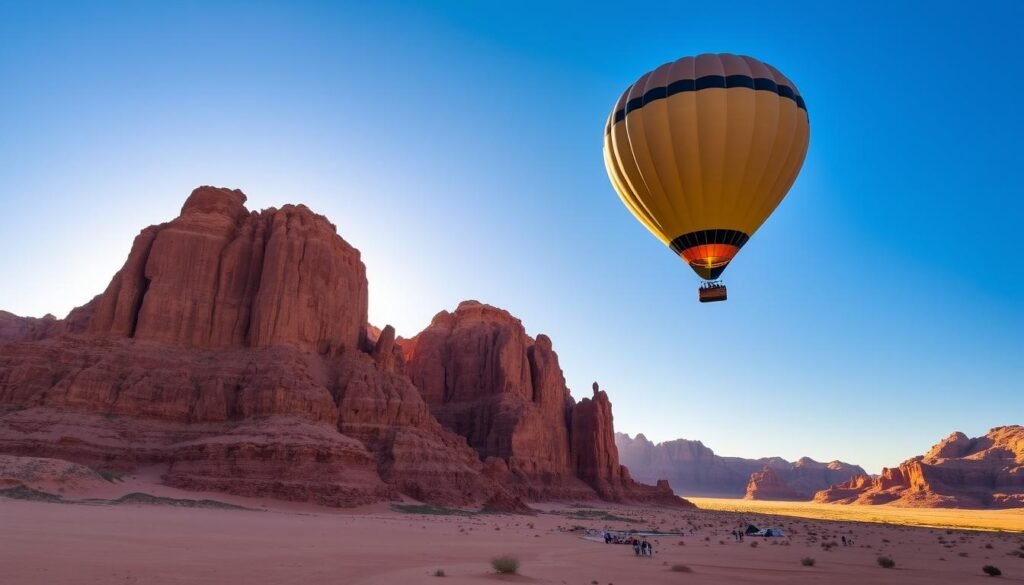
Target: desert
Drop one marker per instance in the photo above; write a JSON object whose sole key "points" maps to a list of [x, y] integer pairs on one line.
{"points": [[270, 542], [553, 292]]}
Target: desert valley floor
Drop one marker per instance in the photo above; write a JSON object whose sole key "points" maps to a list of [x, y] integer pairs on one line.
{"points": [[273, 542]]}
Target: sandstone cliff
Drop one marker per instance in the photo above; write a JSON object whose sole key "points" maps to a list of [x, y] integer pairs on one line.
{"points": [[767, 485], [958, 472], [232, 352], [487, 380]]}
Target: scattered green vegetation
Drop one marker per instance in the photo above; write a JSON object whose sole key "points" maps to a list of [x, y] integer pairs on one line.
{"points": [[111, 476], [596, 515], [991, 570], [428, 509], [142, 498], [807, 562], [505, 565], [26, 493], [886, 562]]}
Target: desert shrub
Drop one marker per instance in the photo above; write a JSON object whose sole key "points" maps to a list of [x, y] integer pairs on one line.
{"points": [[505, 565], [677, 568], [991, 570], [439, 573], [886, 562], [807, 562], [753, 544], [111, 476]]}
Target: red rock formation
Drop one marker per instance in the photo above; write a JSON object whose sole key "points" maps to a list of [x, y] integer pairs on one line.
{"points": [[219, 276], [504, 503], [488, 381], [694, 469], [485, 379], [767, 485], [958, 472], [232, 349]]}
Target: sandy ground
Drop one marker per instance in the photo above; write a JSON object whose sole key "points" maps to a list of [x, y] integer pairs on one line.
{"points": [[1004, 520], [84, 544]]}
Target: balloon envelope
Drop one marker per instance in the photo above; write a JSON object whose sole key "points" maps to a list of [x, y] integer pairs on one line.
{"points": [[702, 150]]}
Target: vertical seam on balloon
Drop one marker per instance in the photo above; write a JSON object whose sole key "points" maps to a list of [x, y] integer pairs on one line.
{"points": [[741, 194], [700, 153], [634, 196], [621, 189], [675, 157], [783, 172], [654, 164], [631, 195], [629, 180], [636, 164], [757, 214], [723, 194], [794, 160]]}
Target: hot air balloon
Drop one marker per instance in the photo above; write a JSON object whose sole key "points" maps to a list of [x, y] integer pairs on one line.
{"points": [[702, 150]]}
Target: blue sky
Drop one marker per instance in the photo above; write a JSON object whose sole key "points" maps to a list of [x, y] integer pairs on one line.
{"points": [[458, 145]]}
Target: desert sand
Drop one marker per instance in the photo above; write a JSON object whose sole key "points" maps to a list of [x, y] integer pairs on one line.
{"points": [[1009, 520], [271, 542]]}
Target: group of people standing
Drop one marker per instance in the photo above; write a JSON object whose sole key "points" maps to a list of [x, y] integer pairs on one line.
{"points": [[642, 548], [738, 535]]}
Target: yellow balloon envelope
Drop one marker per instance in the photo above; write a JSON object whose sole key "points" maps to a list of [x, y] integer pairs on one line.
{"points": [[703, 149]]}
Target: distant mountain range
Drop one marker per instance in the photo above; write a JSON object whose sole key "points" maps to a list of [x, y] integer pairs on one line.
{"points": [[695, 470]]}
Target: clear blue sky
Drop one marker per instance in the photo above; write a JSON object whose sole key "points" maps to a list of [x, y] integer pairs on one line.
{"points": [[459, 147]]}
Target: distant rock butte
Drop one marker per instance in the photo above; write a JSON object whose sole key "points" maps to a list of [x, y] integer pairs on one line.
{"points": [[695, 470], [233, 350], [958, 472], [767, 485]]}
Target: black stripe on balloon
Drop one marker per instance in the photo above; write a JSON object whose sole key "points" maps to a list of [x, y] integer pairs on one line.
{"points": [[719, 236], [708, 82]]}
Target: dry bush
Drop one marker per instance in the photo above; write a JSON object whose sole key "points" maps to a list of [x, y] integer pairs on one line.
{"points": [[677, 568], [505, 565], [991, 570]]}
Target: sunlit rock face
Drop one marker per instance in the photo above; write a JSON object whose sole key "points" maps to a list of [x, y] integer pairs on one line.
{"points": [[232, 350], [958, 472]]}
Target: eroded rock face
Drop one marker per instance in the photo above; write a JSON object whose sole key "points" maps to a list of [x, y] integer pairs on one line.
{"points": [[219, 276], [767, 485], [232, 348], [958, 472], [694, 469], [232, 351], [487, 380]]}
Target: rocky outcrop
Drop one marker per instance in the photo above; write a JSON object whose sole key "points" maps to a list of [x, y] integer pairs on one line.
{"points": [[958, 472], [694, 469], [232, 352], [767, 485], [487, 380], [219, 276]]}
